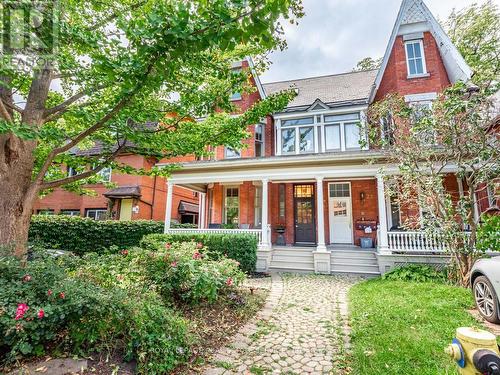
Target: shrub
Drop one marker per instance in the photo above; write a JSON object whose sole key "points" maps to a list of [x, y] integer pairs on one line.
{"points": [[49, 302], [81, 235], [39, 304], [240, 247], [488, 234], [179, 272], [415, 272]]}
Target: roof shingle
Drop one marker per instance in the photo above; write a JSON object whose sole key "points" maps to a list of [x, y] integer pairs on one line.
{"points": [[330, 89]]}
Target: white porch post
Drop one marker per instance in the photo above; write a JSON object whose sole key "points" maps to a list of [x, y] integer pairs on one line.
{"points": [[383, 244], [265, 251], [265, 213], [321, 257], [201, 211], [320, 214], [168, 206]]}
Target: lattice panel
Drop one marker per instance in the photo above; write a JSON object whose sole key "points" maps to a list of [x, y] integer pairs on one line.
{"points": [[415, 13]]}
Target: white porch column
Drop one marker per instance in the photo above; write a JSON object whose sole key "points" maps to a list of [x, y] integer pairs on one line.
{"points": [[320, 214], [265, 251], [321, 257], [383, 244], [265, 213], [201, 216], [168, 206]]}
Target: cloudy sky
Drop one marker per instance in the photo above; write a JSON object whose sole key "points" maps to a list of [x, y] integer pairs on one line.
{"points": [[335, 34]]}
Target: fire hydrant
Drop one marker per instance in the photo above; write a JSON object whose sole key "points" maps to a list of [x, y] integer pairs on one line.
{"points": [[475, 351]]}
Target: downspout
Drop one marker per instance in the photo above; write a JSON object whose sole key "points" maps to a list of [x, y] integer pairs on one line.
{"points": [[154, 196]]}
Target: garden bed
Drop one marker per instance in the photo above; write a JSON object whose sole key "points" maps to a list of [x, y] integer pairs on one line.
{"points": [[162, 309]]}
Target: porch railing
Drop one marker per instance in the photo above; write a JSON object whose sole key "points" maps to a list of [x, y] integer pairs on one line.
{"points": [[416, 242], [255, 232]]}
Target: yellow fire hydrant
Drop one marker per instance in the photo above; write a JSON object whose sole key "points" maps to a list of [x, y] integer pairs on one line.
{"points": [[475, 351]]}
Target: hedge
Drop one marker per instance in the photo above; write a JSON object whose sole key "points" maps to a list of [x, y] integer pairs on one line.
{"points": [[82, 235], [240, 247]]}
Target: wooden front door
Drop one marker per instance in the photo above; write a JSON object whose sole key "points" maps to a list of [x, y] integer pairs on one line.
{"points": [[303, 203]]}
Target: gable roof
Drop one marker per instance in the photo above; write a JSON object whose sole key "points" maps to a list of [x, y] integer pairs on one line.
{"points": [[335, 89], [414, 13]]}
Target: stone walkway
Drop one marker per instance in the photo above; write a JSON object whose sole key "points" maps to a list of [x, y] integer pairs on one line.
{"points": [[302, 329]]}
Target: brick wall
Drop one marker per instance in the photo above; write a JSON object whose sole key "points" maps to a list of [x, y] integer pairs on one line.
{"points": [[395, 77], [151, 203]]}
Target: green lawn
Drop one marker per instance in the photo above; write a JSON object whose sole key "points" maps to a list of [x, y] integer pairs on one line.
{"points": [[403, 327]]}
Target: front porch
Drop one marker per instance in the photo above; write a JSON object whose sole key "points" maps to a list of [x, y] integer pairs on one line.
{"points": [[311, 213]]}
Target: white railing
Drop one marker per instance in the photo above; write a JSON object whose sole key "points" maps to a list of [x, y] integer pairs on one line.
{"points": [[256, 232], [415, 242]]}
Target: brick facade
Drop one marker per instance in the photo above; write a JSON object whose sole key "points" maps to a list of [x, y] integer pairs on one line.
{"points": [[395, 78]]}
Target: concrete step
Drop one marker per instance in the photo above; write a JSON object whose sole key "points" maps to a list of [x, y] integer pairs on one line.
{"points": [[293, 258], [355, 253], [293, 252], [291, 270], [350, 267], [348, 260], [291, 264]]}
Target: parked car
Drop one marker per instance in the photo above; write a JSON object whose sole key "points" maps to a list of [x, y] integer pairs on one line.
{"points": [[485, 281]]}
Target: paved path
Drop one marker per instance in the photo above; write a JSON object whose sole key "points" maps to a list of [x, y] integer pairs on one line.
{"points": [[301, 330]]}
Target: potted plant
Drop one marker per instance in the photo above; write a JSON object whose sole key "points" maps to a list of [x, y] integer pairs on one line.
{"points": [[280, 229]]}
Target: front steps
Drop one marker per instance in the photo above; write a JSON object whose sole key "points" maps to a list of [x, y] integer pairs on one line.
{"points": [[348, 260], [360, 262], [292, 259]]}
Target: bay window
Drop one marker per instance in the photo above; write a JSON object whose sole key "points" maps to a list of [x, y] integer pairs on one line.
{"points": [[319, 133]]}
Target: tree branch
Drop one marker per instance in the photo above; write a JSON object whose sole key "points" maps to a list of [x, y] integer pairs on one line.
{"points": [[4, 113], [63, 107], [81, 176]]}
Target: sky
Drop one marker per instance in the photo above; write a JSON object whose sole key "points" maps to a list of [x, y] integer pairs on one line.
{"points": [[335, 34]]}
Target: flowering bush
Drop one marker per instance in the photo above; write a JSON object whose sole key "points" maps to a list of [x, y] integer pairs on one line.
{"points": [[240, 247], [178, 272], [194, 276], [47, 302], [39, 303]]}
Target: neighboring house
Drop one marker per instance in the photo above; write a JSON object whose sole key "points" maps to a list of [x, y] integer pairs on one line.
{"points": [[134, 197], [304, 185]]}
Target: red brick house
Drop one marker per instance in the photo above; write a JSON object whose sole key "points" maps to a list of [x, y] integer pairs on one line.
{"points": [[304, 185], [135, 197]]}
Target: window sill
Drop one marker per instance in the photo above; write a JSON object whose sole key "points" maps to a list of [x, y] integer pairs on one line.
{"points": [[425, 75]]}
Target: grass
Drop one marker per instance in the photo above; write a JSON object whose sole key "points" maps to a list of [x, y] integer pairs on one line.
{"points": [[401, 327]]}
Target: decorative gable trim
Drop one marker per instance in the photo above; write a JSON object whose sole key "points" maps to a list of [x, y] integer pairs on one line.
{"points": [[318, 105], [415, 16]]}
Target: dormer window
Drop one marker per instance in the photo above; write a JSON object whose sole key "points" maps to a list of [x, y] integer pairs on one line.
{"points": [[415, 58]]}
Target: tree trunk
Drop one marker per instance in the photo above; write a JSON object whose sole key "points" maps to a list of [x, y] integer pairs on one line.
{"points": [[17, 192]]}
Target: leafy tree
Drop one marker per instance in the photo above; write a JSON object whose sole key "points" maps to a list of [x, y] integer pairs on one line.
{"points": [[92, 72], [455, 137], [475, 30], [368, 63]]}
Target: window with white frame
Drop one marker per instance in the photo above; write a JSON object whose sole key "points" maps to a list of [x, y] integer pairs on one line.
{"points": [[231, 205], [342, 132], [70, 212], [422, 109], [259, 140], [297, 136], [71, 171], [415, 58], [235, 95], [492, 201], [96, 213], [387, 128], [231, 153], [105, 174], [320, 133]]}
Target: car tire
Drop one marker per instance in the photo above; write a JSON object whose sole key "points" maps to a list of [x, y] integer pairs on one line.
{"points": [[486, 299]]}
